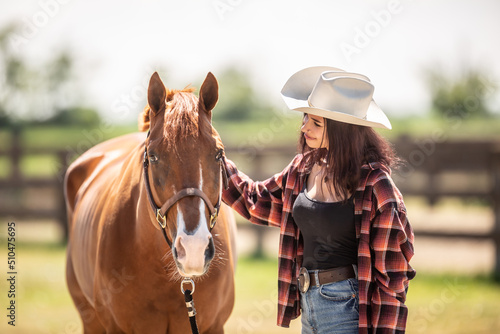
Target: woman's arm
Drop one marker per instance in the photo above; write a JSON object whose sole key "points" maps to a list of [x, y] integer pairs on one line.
{"points": [[259, 202], [392, 248]]}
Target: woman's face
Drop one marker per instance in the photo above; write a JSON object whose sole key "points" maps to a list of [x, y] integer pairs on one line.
{"points": [[313, 128]]}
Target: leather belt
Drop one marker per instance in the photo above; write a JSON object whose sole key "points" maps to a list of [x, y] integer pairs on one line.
{"points": [[316, 278]]}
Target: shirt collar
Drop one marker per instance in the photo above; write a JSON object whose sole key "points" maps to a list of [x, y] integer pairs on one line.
{"points": [[374, 165]]}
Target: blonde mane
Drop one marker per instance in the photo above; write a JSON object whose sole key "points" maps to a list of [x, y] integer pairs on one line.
{"points": [[181, 117], [144, 117]]}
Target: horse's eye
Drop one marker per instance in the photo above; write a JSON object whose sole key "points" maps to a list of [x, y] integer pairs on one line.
{"points": [[153, 158]]}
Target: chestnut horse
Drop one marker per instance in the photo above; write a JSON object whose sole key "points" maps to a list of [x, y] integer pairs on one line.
{"points": [[127, 251]]}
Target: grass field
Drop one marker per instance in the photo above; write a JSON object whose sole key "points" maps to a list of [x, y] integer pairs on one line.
{"points": [[280, 128], [438, 303]]}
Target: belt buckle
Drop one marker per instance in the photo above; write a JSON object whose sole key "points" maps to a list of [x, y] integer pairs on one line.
{"points": [[304, 280]]}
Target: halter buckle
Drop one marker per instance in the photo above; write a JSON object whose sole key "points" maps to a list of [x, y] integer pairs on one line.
{"points": [[162, 220], [213, 219]]}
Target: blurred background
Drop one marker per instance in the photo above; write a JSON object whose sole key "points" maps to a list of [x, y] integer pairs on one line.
{"points": [[74, 73]]}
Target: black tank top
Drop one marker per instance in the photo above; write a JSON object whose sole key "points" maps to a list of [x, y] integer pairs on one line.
{"points": [[328, 231]]}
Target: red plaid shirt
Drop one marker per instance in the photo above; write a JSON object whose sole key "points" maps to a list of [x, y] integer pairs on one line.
{"points": [[385, 240]]}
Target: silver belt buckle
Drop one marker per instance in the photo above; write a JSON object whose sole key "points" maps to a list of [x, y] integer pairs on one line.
{"points": [[304, 280]]}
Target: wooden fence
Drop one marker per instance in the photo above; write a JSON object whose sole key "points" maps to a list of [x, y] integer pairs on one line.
{"points": [[15, 184], [434, 169]]}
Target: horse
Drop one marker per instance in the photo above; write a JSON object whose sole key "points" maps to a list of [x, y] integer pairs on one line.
{"points": [[127, 253]]}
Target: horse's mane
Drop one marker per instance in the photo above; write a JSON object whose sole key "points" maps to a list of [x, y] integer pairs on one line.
{"points": [[181, 115]]}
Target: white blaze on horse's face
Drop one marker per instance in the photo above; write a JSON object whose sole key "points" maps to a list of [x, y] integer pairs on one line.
{"points": [[194, 250], [180, 125]]}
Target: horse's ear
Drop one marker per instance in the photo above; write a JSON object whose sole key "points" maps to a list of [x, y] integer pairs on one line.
{"points": [[156, 93], [209, 92]]}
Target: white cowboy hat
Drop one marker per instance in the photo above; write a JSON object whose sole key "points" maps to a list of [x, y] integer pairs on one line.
{"points": [[335, 94]]}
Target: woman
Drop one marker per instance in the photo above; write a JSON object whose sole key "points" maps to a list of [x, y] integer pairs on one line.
{"points": [[345, 241]]}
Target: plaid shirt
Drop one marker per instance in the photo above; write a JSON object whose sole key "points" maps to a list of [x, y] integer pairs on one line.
{"points": [[385, 240]]}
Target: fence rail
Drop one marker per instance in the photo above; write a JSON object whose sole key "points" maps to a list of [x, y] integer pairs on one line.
{"points": [[17, 181], [428, 164]]}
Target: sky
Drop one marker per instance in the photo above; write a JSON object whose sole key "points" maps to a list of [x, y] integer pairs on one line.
{"points": [[119, 44]]}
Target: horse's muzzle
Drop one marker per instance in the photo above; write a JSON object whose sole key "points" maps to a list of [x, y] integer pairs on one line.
{"points": [[193, 255]]}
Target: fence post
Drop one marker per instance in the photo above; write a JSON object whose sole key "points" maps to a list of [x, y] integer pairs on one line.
{"points": [[258, 166], [496, 207], [431, 182], [259, 248], [62, 215], [15, 154]]}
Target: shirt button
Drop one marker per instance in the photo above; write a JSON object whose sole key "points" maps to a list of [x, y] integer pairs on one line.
{"points": [[293, 288]]}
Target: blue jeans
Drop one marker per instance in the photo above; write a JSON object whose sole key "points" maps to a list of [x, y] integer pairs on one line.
{"points": [[331, 308]]}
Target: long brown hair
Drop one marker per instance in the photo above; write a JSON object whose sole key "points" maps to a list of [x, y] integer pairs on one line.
{"points": [[350, 147]]}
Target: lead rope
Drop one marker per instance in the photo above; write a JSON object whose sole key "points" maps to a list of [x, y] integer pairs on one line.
{"points": [[188, 298]]}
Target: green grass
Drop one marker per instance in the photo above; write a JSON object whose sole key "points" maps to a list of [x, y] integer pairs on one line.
{"points": [[438, 303], [278, 129], [71, 137], [447, 303], [39, 165], [444, 129], [4, 167], [42, 301]]}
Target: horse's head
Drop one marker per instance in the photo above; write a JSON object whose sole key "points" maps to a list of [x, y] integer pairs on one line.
{"points": [[184, 169]]}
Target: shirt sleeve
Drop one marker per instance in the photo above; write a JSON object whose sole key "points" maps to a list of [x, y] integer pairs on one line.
{"points": [[391, 244], [259, 202]]}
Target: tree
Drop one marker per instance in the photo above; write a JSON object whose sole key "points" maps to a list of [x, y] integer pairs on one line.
{"points": [[41, 94], [238, 100], [462, 97]]}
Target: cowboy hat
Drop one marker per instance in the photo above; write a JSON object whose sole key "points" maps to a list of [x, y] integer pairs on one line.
{"points": [[334, 94]]}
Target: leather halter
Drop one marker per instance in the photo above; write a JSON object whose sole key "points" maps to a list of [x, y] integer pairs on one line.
{"points": [[161, 212]]}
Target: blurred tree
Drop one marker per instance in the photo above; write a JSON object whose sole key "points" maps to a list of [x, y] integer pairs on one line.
{"points": [[5, 72], [238, 100], [43, 94], [462, 97], [75, 116]]}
